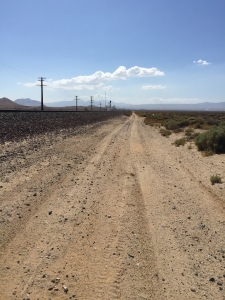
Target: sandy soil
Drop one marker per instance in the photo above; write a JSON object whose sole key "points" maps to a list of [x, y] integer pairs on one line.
{"points": [[112, 211]]}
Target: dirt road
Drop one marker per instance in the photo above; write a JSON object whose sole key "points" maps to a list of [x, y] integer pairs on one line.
{"points": [[113, 211]]}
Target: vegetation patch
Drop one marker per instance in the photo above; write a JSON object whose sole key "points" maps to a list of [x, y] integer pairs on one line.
{"points": [[165, 132], [180, 142], [215, 179], [212, 140]]}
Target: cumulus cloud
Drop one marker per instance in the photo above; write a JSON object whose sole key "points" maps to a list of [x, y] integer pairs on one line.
{"points": [[201, 62], [99, 78], [153, 87]]}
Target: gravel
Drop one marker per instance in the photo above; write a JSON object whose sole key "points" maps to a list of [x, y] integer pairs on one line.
{"points": [[19, 125]]}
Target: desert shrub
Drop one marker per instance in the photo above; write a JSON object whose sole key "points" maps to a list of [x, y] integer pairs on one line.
{"points": [[178, 130], [165, 132], [189, 131], [214, 140], [215, 179], [192, 136], [183, 123], [211, 121], [222, 123], [180, 142], [171, 124]]}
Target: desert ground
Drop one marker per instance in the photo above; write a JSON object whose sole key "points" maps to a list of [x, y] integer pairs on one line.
{"points": [[110, 211]]}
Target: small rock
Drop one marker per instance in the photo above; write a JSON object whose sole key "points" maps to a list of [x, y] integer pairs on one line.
{"points": [[65, 289], [193, 290], [50, 212], [35, 194], [212, 279], [50, 288], [220, 282]]}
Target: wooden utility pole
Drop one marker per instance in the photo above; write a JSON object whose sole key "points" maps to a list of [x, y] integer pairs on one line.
{"points": [[91, 102], [76, 102], [105, 100], [41, 79]]}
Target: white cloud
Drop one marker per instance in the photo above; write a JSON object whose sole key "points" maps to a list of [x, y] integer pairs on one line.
{"points": [[201, 62], [174, 100], [153, 87], [97, 80]]}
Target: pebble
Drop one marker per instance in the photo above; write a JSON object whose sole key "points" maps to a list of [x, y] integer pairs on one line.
{"points": [[65, 288], [50, 212], [220, 282], [212, 279]]}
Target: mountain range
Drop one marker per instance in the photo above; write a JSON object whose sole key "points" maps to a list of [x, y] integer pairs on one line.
{"points": [[205, 106], [6, 103]]}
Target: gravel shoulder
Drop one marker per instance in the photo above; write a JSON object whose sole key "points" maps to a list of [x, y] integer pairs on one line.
{"points": [[110, 211]]}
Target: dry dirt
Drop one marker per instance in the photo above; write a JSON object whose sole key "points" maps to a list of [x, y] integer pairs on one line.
{"points": [[113, 211]]}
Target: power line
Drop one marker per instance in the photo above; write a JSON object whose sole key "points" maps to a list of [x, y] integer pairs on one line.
{"points": [[41, 80], [17, 70]]}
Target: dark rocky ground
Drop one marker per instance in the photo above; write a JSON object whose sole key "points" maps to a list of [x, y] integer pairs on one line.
{"points": [[15, 126]]}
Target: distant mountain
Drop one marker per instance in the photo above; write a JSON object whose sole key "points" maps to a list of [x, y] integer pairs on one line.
{"points": [[28, 102], [69, 103], [206, 106], [5, 103]]}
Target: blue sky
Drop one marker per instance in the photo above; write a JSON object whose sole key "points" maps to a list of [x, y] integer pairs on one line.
{"points": [[137, 51]]}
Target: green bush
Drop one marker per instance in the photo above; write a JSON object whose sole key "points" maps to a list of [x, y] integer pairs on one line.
{"points": [[165, 132], [180, 142], [215, 179], [213, 140], [171, 125]]}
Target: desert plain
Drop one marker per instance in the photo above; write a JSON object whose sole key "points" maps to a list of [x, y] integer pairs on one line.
{"points": [[112, 210]]}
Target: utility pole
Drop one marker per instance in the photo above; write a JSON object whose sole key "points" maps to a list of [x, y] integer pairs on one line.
{"points": [[100, 106], [105, 100], [76, 102], [41, 80], [91, 102]]}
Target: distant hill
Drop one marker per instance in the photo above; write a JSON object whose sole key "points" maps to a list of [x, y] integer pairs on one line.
{"points": [[5, 103], [69, 103], [27, 102], [206, 106]]}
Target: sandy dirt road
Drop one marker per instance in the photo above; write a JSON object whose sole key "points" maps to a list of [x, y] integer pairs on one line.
{"points": [[114, 211]]}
